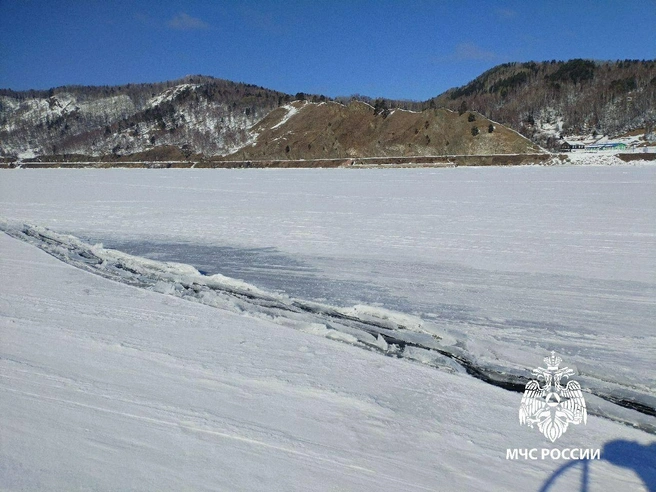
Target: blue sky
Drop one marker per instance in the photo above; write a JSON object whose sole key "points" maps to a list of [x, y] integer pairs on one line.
{"points": [[411, 49]]}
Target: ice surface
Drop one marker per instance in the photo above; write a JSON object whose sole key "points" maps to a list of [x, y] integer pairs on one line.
{"points": [[528, 258], [500, 265], [110, 387], [374, 327]]}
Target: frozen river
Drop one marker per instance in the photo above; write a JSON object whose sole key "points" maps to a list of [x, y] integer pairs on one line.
{"points": [[509, 263]]}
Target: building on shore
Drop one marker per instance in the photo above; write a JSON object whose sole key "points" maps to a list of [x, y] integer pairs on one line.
{"points": [[569, 147], [605, 147]]}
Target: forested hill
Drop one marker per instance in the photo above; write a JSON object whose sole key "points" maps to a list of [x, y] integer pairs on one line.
{"points": [[196, 114], [546, 100], [543, 101], [206, 117]]}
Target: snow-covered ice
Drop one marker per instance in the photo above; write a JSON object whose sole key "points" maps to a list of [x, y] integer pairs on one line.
{"points": [[497, 266], [110, 387]]}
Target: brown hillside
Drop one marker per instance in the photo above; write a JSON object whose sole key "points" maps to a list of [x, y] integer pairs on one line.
{"points": [[303, 130]]}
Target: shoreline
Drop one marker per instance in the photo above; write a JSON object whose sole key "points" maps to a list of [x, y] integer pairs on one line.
{"points": [[500, 160]]}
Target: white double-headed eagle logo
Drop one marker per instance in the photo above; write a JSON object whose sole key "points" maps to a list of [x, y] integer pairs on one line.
{"points": [[549, 404]]}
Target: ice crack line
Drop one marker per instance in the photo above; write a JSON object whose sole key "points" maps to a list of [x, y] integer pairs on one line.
{"points": [[393, 334]]}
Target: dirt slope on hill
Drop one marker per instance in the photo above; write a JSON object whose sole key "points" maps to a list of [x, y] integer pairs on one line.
{"points": [[303, 130]]}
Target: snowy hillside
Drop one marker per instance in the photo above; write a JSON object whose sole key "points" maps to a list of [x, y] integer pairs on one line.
{"points": [[195, 114], [550, 100]]}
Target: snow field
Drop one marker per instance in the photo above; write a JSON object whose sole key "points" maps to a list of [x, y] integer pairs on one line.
{"points": [[111, 386], [107, 386]]}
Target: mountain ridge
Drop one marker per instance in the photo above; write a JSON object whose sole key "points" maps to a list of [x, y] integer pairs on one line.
{"points": [[306, 130], [204, 115], [553, 100]]}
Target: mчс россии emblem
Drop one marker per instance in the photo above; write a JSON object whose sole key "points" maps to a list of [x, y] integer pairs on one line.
{"points": [[549, 404]]}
